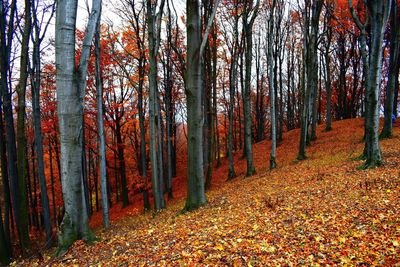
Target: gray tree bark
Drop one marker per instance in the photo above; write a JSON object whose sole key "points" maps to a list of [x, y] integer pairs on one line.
{"points": [[272, 86], [232, 89], [328, 83], [100, 126], [194, 91], [154, 30], [393, 63], [248, 32], [379, 12], [310, 67], [71, 83], [37, 40]]}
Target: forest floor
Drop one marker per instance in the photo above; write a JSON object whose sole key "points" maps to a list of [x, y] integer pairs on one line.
{"points": [[320, 211]]}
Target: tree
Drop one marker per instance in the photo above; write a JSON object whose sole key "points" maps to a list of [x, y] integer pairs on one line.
{"points": [[378, 15], [327, 58], [5, 253], [393, 66], [21, 131], [248, 22], [154, 31], [5, 244], [71, 83], [36, 72], [310, 65], [271, 26], [234, 48], [100, 126], [379, 12], [8, 10], [194, 92]]}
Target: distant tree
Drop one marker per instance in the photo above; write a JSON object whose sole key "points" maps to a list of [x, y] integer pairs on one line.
{"points": [[393, 69], [7, 30], [272, 86], [39, 31], [312, 11], [250, 13], [327, 41], [100, 126], [21, 123]]}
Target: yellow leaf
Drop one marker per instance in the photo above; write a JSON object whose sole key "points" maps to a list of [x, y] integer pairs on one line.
{"points": [[395, 243], [255, 227], [342, 239], [219, 247]]}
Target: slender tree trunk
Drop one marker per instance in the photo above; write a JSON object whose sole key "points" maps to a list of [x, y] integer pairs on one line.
{"points": [[101, 136], [328, 82], [272, 87], [53, 194], [248, 29], [39, 140], [154, 40], [305, 91], [5, 253], [21, 130], [6, 36], [5, 243], [6, 189], [394, 62], [121, 160]]}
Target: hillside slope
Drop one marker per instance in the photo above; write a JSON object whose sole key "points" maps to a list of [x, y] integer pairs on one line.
{"points": [[318, 211]]}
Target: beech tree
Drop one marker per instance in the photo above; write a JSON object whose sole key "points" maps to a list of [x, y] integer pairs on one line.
{"points": [[250, 13], [39, 31], [393, 70], [154, 32], [100, 126], [378, 12], [194, 92], [312, 11], [71, 83], [271, 27], [21, 127], [17, 191]]}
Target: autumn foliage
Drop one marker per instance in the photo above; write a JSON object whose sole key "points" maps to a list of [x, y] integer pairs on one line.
{"points": [[316, 212]]}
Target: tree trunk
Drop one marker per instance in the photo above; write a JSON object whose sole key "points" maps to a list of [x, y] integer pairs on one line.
{"points": [[379, 13], [71, 83], [39, 138], [248, 29], [6, 34], [394, 62], [193, 88], [6, 188], [121, 161], [21, 130], [100, 127], [272, 88], [328, 82], [154, 40]]}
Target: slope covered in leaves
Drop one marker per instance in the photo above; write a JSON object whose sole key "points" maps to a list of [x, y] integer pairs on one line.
{"points": [[314, 212]]}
